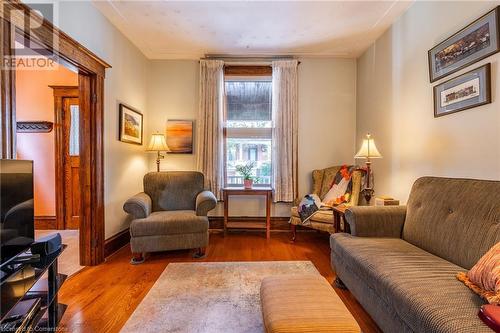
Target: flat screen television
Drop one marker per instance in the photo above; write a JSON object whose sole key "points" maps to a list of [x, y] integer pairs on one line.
{"points": [[17, 226]]}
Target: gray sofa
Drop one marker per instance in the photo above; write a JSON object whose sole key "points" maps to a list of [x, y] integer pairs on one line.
{"points": [[400, 262], [171, 213]]}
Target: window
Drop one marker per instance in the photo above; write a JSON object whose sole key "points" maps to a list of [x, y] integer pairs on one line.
{"points": [[248, 128], [74, 141]]}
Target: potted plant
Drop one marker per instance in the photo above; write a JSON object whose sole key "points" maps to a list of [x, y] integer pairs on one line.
{"points": [[246, 171]]}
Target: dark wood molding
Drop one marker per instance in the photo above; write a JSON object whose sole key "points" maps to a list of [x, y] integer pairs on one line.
{"points": [[75, 55], [45, 223], [65, 91], [116, 242], [277, 222], [34, 126], [7, 96], [60, 92], [240, 70], [91, 71]]}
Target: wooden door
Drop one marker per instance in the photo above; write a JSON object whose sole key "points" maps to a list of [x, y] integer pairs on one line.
{"points": [[71, 134]]}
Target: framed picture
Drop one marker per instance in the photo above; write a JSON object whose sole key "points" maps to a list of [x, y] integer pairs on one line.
{"points": [[476, 41], [463, 92], [130, 125], [180, 136]]}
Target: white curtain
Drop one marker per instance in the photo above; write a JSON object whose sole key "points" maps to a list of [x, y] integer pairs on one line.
{"points": [[209, 141], [285, 121]]}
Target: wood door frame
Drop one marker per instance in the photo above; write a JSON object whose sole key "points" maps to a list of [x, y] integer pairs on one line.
{"points": [[60, 92], [91, 72]]}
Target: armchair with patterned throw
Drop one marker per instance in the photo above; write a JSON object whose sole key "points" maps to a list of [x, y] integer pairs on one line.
{"points": [[322, 182], [171, 214]]}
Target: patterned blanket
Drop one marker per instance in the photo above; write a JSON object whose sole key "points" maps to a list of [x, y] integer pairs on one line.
{"points": [[340, 192]]}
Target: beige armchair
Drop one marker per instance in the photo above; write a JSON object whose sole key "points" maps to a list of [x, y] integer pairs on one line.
{"points": [[322, 181], [171, 214]]}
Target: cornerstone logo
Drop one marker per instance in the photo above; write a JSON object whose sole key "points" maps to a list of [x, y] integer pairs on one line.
{"points": [[31, 47]]}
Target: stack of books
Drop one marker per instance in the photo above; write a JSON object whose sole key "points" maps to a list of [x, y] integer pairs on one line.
{"points": [[386, 201]]}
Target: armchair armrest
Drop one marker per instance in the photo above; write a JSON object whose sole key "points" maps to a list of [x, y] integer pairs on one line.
{"points": [[205, 202], [371, 221], [138, 206]]}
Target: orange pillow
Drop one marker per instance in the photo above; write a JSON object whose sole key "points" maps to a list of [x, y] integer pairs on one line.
{"points": [[484, 277]]}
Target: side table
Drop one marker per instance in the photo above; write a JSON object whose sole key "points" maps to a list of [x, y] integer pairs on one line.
{"points": [[339, 220], [265, 191]]}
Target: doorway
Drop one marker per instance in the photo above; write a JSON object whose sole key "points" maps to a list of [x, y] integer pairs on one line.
{"points": [[67, 156], [18, 19], [51, 97]]}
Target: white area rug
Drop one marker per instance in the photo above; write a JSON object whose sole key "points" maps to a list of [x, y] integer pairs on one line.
{"points": [[209, 297]]}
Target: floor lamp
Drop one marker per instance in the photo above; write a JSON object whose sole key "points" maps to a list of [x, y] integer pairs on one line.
{"points": [[368, 151]]}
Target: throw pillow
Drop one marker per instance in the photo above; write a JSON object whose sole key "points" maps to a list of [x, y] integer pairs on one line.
{"points": [[484, 277]]}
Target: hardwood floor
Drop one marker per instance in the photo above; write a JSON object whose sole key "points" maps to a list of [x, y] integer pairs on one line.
{"points": [[102, 298]]}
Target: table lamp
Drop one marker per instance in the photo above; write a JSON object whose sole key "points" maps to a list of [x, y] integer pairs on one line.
{"points": [[158, 144], [368, 150]]}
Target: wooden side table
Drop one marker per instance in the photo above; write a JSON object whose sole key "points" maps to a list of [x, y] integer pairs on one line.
{"points": [[338, 216], [265, 191]]}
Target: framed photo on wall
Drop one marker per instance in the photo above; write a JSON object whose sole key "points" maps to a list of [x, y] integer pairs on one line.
{"points": [[476, 41], [179, 135], [130, 129], [463, 92]]}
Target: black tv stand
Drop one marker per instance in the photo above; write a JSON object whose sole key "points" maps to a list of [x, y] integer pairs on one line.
{"points": [[25, 283]]}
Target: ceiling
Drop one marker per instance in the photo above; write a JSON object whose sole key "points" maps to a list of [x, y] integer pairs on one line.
{"points": [[191, 29]]}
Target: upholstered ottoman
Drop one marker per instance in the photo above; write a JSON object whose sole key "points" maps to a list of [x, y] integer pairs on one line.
{"points": [[303, 303]]}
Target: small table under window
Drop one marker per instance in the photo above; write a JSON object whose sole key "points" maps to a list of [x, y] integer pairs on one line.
{"points": [[264, 191]]}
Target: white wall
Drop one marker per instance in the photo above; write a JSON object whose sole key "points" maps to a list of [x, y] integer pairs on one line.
{"points": [[395, 104], [126, 82], [327, 107]]}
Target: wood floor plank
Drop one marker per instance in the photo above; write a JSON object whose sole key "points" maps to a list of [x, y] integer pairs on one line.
{"points": [[102, 298]]}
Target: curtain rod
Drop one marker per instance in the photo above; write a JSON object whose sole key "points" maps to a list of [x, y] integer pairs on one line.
{"points": [[246, 60]]}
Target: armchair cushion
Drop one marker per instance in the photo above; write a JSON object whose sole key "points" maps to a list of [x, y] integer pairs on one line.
{"points": [[138, 206], [205, 202], [323, 216], [371, 221], [169, 223]]}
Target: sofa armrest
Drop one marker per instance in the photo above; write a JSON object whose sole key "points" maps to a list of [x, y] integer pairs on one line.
{"points": [[138, 206], [371, 221], [205, 202]]}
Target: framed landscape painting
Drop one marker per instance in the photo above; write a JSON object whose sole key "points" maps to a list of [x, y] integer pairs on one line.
{"points": [[180, 136], [130, 125], [476, 41], [463, 92]]}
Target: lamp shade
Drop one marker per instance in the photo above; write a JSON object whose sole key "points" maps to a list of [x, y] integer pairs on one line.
{"points": [[158, 143], [368, 149]]}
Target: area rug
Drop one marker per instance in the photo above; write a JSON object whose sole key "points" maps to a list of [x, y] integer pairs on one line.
{"points": [[209, 297]]}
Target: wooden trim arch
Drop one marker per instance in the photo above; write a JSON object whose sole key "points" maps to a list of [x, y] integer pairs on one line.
{"points": [[91, 71]]}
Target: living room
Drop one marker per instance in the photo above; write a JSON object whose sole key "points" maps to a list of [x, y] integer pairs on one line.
{"points": [[350, 105]]}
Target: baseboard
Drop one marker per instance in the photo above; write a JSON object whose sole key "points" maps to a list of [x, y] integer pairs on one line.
{"points": [[116, 242], [277, 222], [45, 222]]}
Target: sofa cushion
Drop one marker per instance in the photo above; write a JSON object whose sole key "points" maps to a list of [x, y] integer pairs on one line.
{"points": [[169, 223], [420, 288], [455, 219]]}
